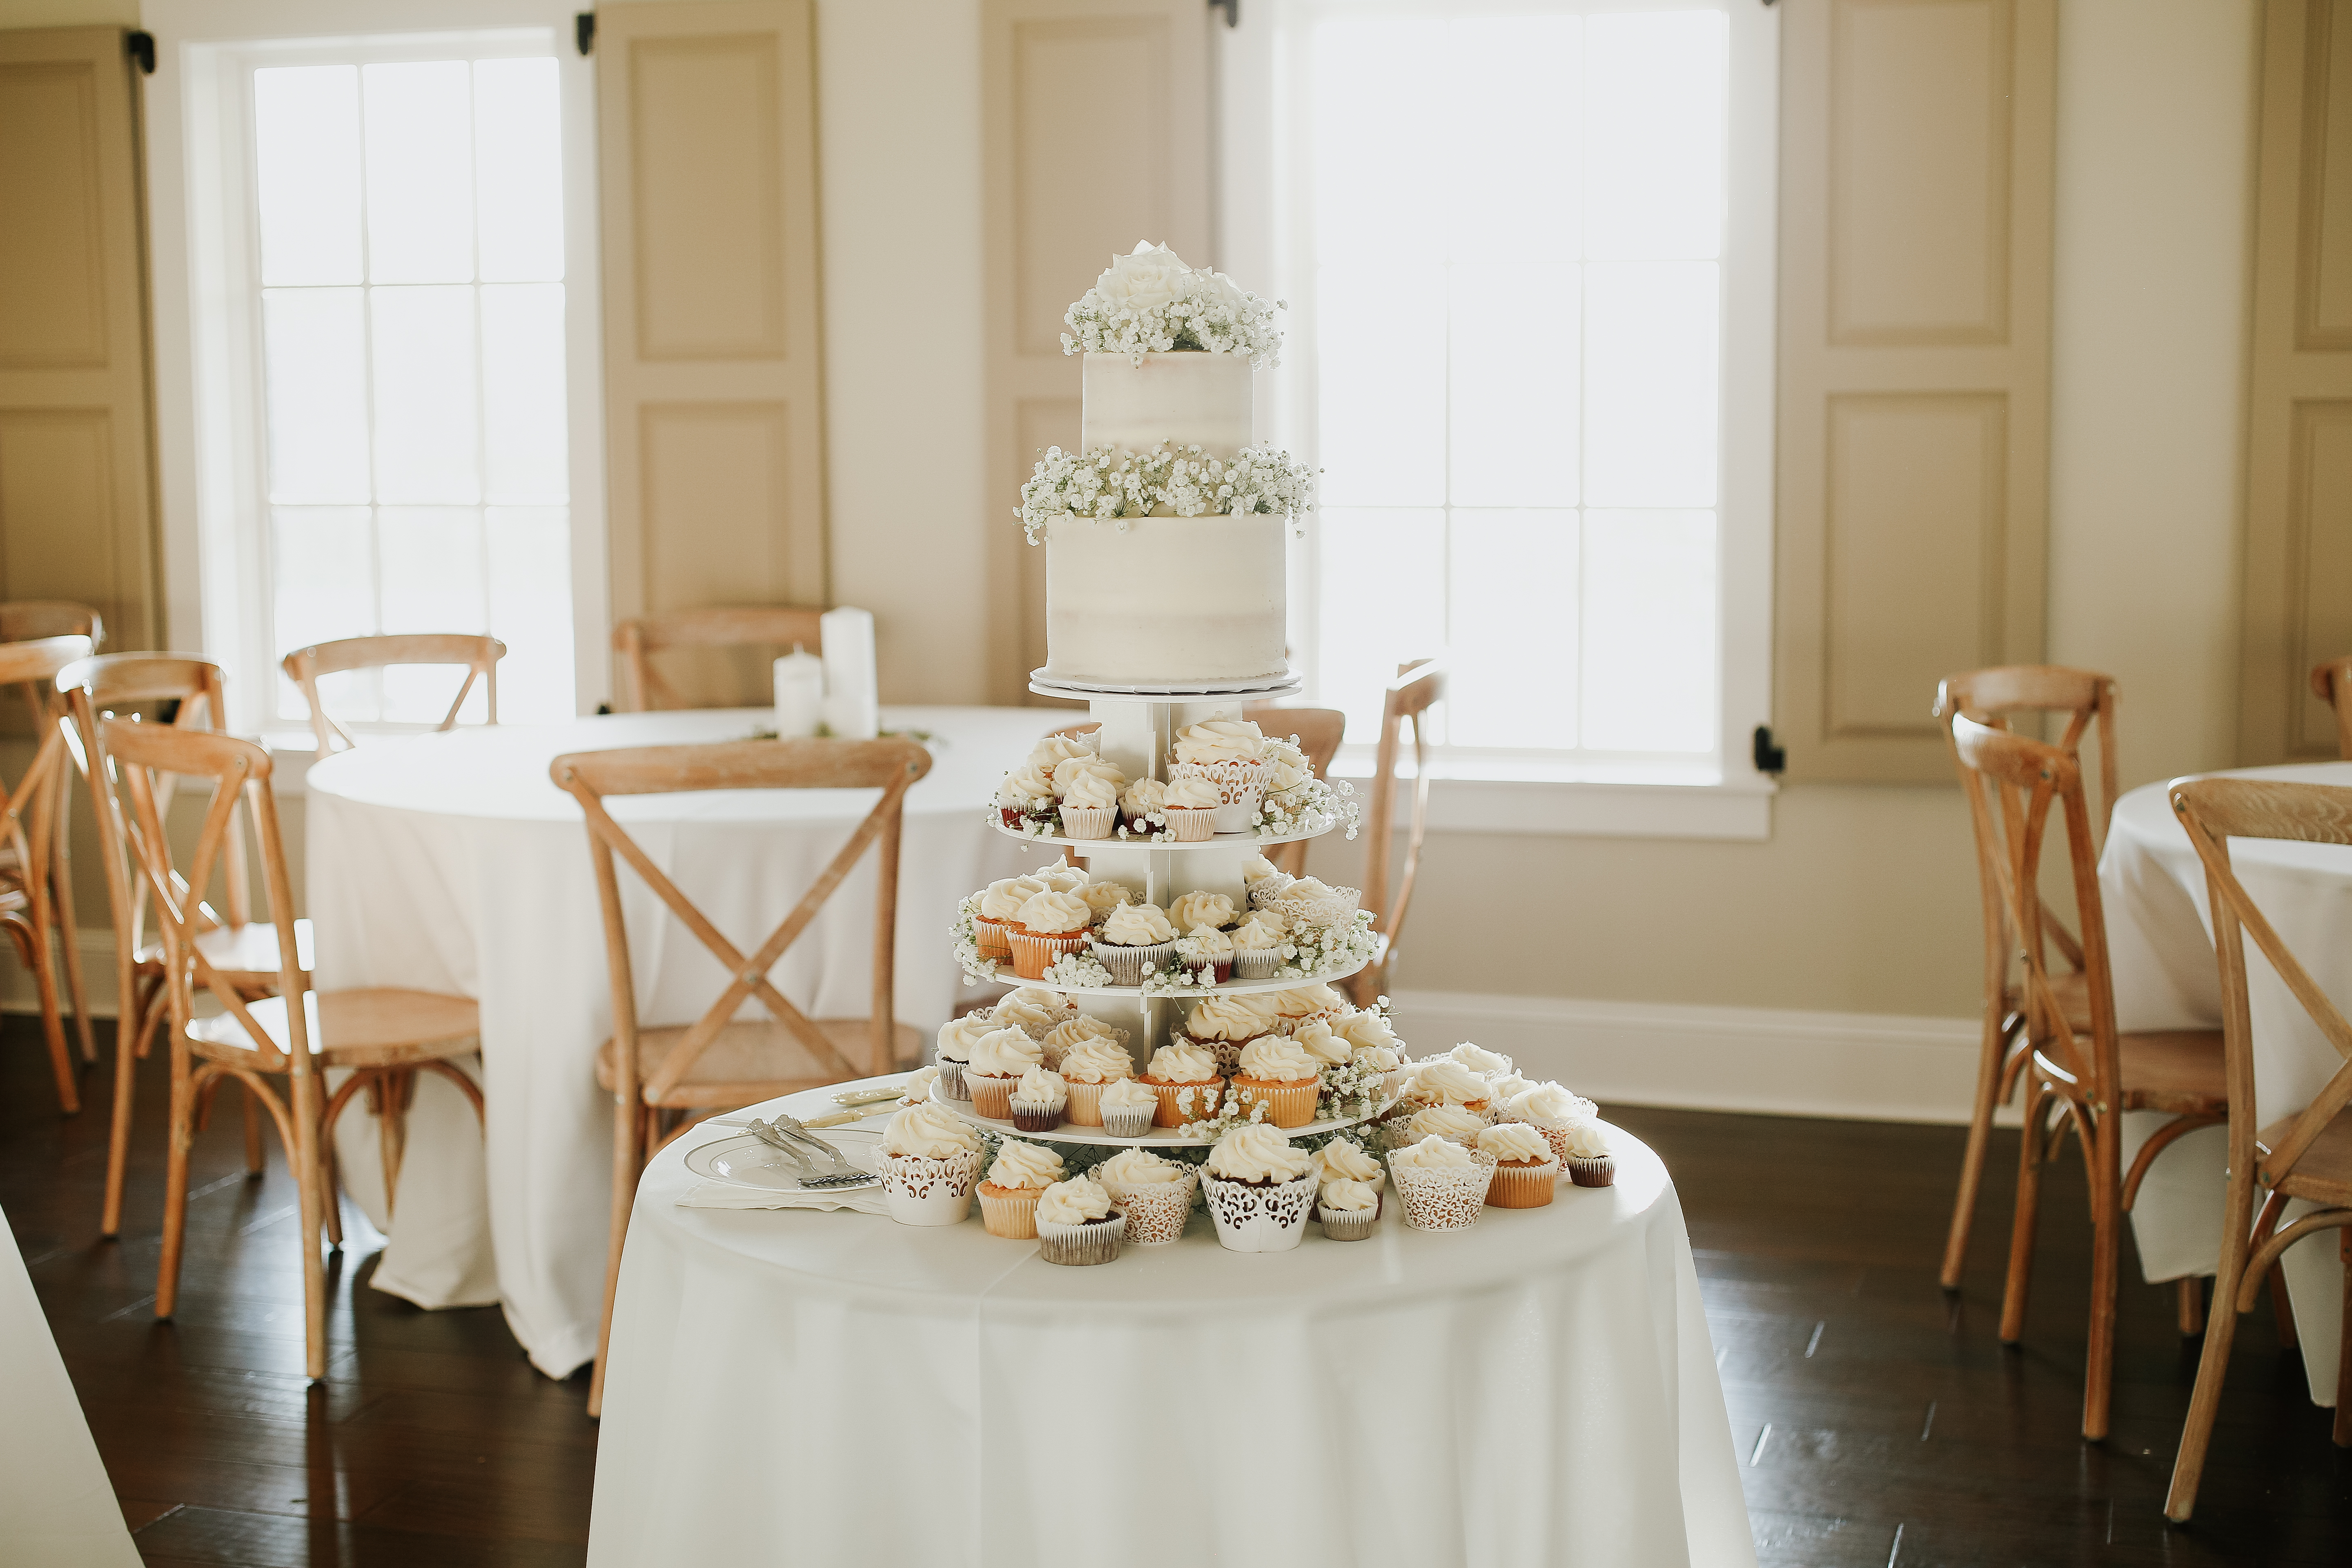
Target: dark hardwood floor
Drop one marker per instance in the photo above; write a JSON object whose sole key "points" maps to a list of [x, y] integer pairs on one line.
{"points": [[1878, 1421]]}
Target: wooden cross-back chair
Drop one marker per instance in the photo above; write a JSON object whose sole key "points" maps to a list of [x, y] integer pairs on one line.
{"points": [[2306, 1156], [383, 1037], [642, 687], [36, 898], [244, 951], [480, 657], [2089, 1077], [1418, 684], [1994, 697], [718, 1061]]}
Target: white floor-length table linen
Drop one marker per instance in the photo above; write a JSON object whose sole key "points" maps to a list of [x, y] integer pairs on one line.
{"points": [[802, 1386], [452, 863], [2159, 939]]}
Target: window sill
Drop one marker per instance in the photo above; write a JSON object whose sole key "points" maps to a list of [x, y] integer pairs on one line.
{"points": [[1739, 810]]}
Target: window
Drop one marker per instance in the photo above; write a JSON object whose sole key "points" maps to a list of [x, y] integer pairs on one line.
{"points": [[1529, 340], [405, 364]]}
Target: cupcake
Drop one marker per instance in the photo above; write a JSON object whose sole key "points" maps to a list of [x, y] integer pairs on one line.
{"points": [[1076, 1223], [1225, 1024], [1183, 1081], [1025, 793], [1444, 1081], [1054, 750], [1008, 1198], [1157, 1194], [1441, 1184], [1323, 1043], [1143, 806], [957, 1036], [1037, 1100], [1050, 924], [930, 1161], [1303, 1002], [1127, 1107], [1260, 1190], [1287, 770], [1344, 1160], [1089, 796], [994, 925], [1277, 1073], [1190, 809], [1551, 1110], [1368, 1029], [1103, 896], [1207, 948], [1349, 1211], [1032, 1009], [1261, 882], [1257, 946], [1228, 755], [1060, 876], [1308, 901], [1452, 1122], [1480, 1060], [1089, 1067], [917, 1087], [1071, 1033], [1589, 1161], [998, 1060], [1186, 910], [1135, 940], [1503, 1088], [1525, 1169]]}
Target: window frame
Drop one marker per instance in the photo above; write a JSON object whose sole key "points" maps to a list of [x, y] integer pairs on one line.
{"points": [[1266, 227]]}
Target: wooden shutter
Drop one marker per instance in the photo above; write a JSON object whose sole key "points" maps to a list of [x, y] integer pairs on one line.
{"points": [[1913, 410], [77, 485], [2298, 582], [1095, 134], [706, 119]]}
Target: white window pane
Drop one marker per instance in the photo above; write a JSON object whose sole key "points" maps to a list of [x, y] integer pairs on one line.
{"points": [[420, 172], [519, 165], [531, 610], [1650, 357], [306, 137], [1381, 384], [432, 560], [1514, 384], [1654, 132], [315, 369], [1379, 148], [1512, 165], [523, 407], [322, 584], [1512, 642], [426, 434], [1649, 631], [1382, 593]]}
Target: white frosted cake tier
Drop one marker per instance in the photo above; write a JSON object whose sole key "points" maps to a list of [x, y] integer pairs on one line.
{"points": [[1165, 599], [1184, 399]]}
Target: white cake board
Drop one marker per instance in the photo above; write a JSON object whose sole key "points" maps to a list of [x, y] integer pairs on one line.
{"points": [[1286, 684], [1155, 1138]]}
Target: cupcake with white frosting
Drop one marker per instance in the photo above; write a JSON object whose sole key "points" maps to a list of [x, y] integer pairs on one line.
{"points": [[1008, 1198], [1184, 1082], [1441, 1184], [929, 1164], [1060, 876], [1134, 942], [1102, 898], [1229, 756], [1456, 1122], [1526, 1171], [1261, 882], [1037, 1100], [1310, 901], [1054, 750], [1501, 1089], [1349, 1210], [1025, 793], [1089, 793], [1224, 1024], [1077, 1223], [1032, 1009], [1549, 1110], [1051, 923], [1090, 1067], [1277, 1072], [1480, 1060], [1142, 805], [1260, 1189], [1326, 1045], [1343, 1159], [1205, 947], [1588, 1160], [917, 1087], [1127, 1107], [998, 1060], [1156, 1193], [957, 1036], [1191, 809], [1303, 1002], [1200, 908], [1070, 1033], [1444, 1081], [1287, 770], [1257, 946], [998, 917]]}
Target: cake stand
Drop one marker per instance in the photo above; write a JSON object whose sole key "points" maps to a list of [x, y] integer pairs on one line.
{"points": [[1154, 1138]]}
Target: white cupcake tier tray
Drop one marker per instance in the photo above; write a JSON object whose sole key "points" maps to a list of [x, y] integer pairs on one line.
{"points": [[1157, 1138], [1046, 685], [1248, 843], [1189, 994]]}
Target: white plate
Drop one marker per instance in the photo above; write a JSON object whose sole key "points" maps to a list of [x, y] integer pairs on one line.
{"points": [[1157, 1138], [1281, 685], [744, 1162]]}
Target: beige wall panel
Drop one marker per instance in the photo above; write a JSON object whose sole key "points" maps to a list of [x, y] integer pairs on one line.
{"points": [[2320, 524], [720, 474], [709, 247], [1915, 494], [2324, 281], [57, 505], [53, 308], [1920, 199]]}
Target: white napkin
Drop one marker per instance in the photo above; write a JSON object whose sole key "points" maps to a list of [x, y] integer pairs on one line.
{"points": [[726, 1195]]}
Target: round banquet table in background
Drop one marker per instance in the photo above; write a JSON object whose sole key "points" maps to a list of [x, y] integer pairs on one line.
{"points": [[834, 1387], [2159, 939], [451, 862]]}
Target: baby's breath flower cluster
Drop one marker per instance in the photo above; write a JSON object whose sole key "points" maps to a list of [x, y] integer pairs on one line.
{"points": [[1110, 483], [1321, 948], [964, 938], [1077, 969], [1314, 807], [1349, 1089], [1187, 310]]}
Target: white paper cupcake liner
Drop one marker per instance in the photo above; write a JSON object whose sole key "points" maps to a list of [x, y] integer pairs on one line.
{"points": [[1192, 823], [950, 1079], [1079, 1245], [1156, 1213], [1266, 889], [1259, 1219], [1443, 1197], [1349, 1225], [1240, 786], [930, 1191], [1256, 963], [1317, 909], [1033, 953], [1128, 965], [1127, 1121], [1587, 1172], [1089, 821]]}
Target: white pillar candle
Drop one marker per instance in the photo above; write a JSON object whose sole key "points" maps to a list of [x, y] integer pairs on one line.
{"points": [[800, 694], [852, 693]]}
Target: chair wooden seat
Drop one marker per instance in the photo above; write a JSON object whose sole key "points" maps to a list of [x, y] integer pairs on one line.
{"points": [[243, 954], [750, 1059], [2175, 1071], [2324, 1174], [373, 1027]]}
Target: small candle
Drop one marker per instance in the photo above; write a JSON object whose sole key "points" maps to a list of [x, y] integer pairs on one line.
{"points": [[852, 694], [800, 694]]}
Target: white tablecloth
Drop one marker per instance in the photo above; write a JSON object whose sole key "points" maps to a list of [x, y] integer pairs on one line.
{"points": [[833, 1387], [2160, 939], [452, 863], [56, 1507]]}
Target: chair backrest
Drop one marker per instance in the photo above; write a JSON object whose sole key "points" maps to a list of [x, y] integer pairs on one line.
{"points": [[31, 806], [1318, 730], [32, 620], [2328, 682], [479, 655], [2011, 783], [642, 687], [1418, 684], [2214, 811], [888, 764], [135, 758]]}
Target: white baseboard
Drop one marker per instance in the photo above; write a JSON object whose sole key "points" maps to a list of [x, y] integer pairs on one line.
{"points": [[1864, 1066], [19, 994]]}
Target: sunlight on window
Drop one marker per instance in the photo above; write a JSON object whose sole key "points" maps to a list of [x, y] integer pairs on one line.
{"points": [[1516, 232], [411, 277]]}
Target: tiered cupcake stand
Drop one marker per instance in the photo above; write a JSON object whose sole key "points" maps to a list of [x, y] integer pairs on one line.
{"points": [[1138, 723]]}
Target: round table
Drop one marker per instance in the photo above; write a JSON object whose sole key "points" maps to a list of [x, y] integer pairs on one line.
{"points": [[2159, 941], [451, 862], [834, 1387]]}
